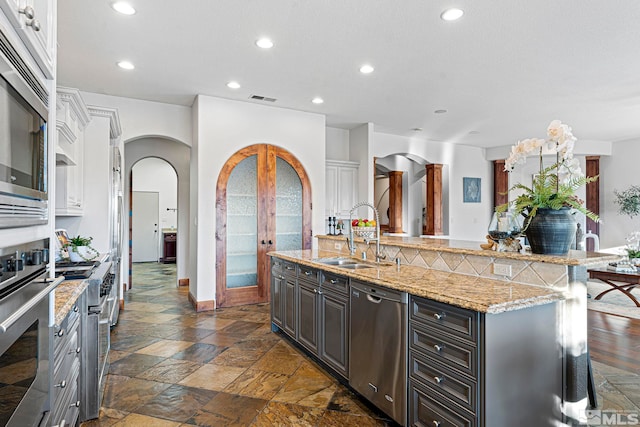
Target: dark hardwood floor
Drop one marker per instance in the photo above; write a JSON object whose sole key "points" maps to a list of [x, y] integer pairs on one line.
{"points": [[614, 340]]}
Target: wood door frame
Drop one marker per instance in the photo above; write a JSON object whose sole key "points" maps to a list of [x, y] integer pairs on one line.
{"points": [[266, 161]]}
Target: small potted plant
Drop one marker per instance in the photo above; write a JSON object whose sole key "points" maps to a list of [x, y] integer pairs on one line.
{"points": [[80, 249], [628, 202]]}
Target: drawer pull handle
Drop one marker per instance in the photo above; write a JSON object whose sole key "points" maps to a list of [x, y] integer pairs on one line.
{"points": [[60, 333], [308, 273], [282, 277], [438, 348], [62, 384], [436, 423], [76, 404], [288, 267], [439, 316], [333, 281], [315, 291], [438, 380], [75, 308]]}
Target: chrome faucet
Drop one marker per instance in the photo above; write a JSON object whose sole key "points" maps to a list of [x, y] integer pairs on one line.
{"points": [[367, 240]]}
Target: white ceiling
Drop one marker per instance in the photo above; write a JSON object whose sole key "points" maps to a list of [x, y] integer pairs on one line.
{"points": [[504, 70]]}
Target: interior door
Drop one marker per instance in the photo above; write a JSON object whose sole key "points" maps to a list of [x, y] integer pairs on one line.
{"points": [[263, 203], [145, 226]]}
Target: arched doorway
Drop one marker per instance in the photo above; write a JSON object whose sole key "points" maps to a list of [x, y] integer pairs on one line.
{"points": [[177, 155], [154, 210], [263, 203]]}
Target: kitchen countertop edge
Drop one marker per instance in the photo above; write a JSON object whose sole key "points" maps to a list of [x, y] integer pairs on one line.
{"points": [[470, 292], [66, 294]]}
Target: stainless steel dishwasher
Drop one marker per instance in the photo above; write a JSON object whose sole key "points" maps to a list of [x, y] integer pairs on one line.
{"points": [[378, 352]]}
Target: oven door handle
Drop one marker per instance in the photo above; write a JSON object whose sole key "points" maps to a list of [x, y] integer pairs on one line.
{"points": [[4, 326]]}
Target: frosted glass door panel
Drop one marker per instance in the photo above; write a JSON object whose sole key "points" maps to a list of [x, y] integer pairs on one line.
{"points": [[288, 207], [242, 224]]}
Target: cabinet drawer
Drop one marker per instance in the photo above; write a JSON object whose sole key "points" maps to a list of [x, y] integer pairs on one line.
{"points": [[335, 282], [454, 320], [277, 265], [66, 403], [289, 268], [64, 361], [459, 388], [445, 349], [427, 410], [308, 274]]}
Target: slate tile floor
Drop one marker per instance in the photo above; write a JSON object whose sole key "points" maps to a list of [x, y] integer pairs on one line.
{"points": [[173, 367]]}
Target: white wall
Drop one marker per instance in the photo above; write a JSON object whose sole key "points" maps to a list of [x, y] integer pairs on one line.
{"points": [[145, 118], [466, 221], [224, 126], [618, 172], [156, 175], [337, 142]]}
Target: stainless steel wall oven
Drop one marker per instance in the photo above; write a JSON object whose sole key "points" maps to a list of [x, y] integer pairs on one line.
{"points": [[23, 142], [25, 334]]}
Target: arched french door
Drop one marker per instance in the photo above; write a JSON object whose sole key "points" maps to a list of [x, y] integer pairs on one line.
{"points": [[263, 203]]}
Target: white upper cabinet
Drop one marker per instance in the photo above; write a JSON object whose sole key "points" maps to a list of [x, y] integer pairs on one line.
{"points": [[34, 23], [341, 186], [72, 119]]}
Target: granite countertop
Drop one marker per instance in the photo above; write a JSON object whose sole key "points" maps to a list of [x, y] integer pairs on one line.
{"points": [[474, 293], [66, 294], [467, 247]]}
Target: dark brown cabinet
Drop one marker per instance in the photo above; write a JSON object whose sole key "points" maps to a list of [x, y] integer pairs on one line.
{"points": [[334, 326], [471, 369], [277, 291], [169, 248], [312, 307]]}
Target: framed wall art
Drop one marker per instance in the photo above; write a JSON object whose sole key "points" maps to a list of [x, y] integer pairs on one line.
{"points": [[471, 190]]}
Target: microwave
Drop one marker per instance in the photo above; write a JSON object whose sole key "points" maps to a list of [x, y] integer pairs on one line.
{"points": [[23, 142]]}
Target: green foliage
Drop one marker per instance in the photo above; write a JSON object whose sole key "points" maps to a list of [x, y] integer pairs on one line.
{"points": [[80, 241], [633, 253], [547, 192], [628, 201]]}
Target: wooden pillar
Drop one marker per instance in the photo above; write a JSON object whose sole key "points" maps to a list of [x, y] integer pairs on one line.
{"points": [[395, 202], [434, 200], [500, 183], [593, 197]]}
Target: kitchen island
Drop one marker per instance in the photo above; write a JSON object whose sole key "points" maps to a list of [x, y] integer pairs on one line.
{"points": [[511, 296]]}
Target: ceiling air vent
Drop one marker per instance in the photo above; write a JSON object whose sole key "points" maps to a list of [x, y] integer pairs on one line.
{"points": [[262, 98]]}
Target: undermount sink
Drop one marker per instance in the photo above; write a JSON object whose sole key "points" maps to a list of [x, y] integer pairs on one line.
{"points": [[343, 263], [336, 261], [355, 266]]}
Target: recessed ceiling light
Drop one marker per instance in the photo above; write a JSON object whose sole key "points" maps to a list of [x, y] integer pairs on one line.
{"points": [[366, 69], [417, 129], [440, 111], [451, 14], [317, 100], [264, 43], [123, 7], [126, 65], [233, 85]]}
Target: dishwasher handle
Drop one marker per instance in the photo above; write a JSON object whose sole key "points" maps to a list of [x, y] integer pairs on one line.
{"points": [[376, 294], [374, 299]]}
